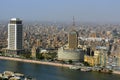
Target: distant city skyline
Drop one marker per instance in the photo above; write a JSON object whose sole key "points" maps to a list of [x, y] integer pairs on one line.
{"points": [[61, 10]]}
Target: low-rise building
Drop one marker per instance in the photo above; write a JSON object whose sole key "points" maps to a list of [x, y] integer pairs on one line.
{"points": [[90, 60], [67, 54], [99, 58]]}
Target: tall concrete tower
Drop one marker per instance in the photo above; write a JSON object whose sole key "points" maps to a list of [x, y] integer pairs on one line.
{"points": [[15, 36], [73, 39]]}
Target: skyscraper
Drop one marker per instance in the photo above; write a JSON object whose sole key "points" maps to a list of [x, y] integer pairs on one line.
{"points": [[15, 36], [73, 39]]}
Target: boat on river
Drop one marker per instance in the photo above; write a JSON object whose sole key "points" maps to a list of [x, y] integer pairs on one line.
{"points": [[74, 67], [105, 70], [86, 69], [9, 75]]}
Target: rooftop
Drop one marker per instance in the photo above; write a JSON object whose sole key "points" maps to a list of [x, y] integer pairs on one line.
{"points": [[15, 19]]}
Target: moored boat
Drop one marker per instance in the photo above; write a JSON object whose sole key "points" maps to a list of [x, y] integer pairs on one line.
{"points": [[105, 70], [9, 75], [86, 69], [74, 67]]}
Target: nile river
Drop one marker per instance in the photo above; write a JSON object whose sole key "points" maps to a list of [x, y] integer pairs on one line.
{"points": [[45, 72]]}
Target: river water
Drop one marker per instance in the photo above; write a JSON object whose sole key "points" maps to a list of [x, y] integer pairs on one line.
{"points": [[45, 72]]}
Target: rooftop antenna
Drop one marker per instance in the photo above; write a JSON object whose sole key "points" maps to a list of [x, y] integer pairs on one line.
{"points": [[73, 21]]}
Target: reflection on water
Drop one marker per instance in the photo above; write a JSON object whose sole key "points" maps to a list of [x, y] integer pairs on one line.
{"points": [[45, 72]]}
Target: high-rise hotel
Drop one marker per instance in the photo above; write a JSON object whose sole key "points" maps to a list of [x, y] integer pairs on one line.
{"points": [[15, 36]]}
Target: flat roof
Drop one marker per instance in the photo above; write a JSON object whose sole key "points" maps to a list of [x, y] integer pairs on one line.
{"points": [[15, 19]]}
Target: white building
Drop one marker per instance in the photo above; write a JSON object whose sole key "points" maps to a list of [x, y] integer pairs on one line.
{"points": [[15, 36]]}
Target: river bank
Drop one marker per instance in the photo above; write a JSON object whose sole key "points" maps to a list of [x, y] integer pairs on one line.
{"points": [[36, 62], [43, 62], [116, 72]]}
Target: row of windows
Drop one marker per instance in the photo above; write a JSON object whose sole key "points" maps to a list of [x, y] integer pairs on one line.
{"points": [[15, 22]]}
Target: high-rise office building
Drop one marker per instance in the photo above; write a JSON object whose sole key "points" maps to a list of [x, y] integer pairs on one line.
{"points": [[73, 39], [15, 36]]}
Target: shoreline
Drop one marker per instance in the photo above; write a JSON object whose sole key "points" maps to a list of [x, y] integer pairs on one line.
{"points": [[43, 63], [116, 72], [35, 62]]}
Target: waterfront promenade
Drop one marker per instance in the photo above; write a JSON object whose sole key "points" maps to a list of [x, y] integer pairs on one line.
{"points": [[35, 61]]}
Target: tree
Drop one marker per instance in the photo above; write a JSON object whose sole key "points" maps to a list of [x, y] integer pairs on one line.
{"points": [[70, 61], [86, 64], [62, 61], [39, 56], [26, 55], [46, 56]]}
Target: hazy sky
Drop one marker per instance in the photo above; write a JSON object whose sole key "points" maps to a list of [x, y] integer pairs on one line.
{"points": [[61, 10]]}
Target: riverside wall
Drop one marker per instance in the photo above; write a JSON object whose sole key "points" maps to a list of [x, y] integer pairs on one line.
{"points": [[34, 61]]}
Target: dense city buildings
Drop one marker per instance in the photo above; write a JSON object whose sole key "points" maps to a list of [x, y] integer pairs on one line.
{"points": [[96, 44], [80, 35]]}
